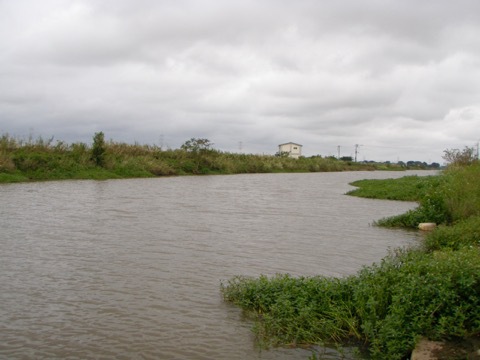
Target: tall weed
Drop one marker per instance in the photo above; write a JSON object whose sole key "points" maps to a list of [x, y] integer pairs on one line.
{"points": [[462, 193]]}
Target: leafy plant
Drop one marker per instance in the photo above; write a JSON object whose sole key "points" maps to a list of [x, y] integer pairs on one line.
{"points": [[465, 233], [98, 149], [197, 144], [387, 306], [458, 157]]}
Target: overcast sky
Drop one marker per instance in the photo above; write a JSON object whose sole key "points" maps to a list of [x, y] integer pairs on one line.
{"points": [[401, 78]]}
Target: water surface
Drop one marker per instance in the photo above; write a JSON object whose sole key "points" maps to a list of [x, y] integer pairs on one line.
{"points": [[131, 268]]}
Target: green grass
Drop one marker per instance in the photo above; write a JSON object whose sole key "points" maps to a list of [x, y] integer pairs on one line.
{"points": [[44, 160], [430, 291], [408, 188], [12, 178], [445, 199], [428, 191]]}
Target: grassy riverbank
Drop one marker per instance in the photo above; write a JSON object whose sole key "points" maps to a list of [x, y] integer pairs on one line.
{"points": [[430, 291], [48, 160]]}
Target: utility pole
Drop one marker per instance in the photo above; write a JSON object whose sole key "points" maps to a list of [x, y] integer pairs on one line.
{"points": [[356, 150], [338, 150]]}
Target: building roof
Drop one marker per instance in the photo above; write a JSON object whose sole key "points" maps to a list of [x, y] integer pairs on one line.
{"points": [[287, 143]]}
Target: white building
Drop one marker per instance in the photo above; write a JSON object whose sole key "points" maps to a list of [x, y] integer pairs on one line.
{"points": [[294, 150]]}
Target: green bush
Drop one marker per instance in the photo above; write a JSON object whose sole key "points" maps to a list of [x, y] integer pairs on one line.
{"points": [[445, 199], [6, 163], [429, 191], [414, 294], [98, 149], [462, 191], [294, 311], [465, 233], [387, 306], [32, 161]]}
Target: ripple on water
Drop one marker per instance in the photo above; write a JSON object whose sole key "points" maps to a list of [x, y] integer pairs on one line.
{"points": [[131, 269]]}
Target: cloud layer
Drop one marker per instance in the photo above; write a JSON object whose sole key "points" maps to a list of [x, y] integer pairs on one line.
{"points": [[399, 78]]}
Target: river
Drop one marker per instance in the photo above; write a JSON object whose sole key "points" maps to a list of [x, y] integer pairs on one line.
{"points": [[130, 269]]}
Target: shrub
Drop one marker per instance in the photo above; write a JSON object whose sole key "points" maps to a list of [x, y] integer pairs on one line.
{"points": [[387, 305], [6, 163], [462, 193], [33, 161], [460, 158], [465, 233], [98, 149], [160, 168]]}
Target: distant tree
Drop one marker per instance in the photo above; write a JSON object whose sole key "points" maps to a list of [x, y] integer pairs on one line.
{"points": [[197, 145], [417, 164], [435, 165], [460, 157], [98, 149], [198, 154], [346, 158]]}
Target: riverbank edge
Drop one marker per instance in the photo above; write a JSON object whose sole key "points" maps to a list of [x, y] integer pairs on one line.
{"points": [[105, 174], [42, 160]]}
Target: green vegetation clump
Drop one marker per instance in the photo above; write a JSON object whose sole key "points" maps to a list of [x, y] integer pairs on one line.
{"points": [[45, 160], [386, 306], [427, 190], [98, 149], [408, 188], [445, 199], [464, 234], [430, 291]]}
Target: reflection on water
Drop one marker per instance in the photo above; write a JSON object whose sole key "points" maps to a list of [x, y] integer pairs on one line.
{"points": [[131, 268]]}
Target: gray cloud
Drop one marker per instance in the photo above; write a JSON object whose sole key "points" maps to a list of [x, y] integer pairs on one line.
{"points": [[401, 78]]}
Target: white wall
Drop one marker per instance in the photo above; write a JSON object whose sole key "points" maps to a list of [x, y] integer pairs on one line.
{"points": [[295, 150]]}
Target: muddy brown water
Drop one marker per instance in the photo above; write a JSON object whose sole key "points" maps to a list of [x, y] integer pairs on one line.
{"points": [[130, 269]]}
